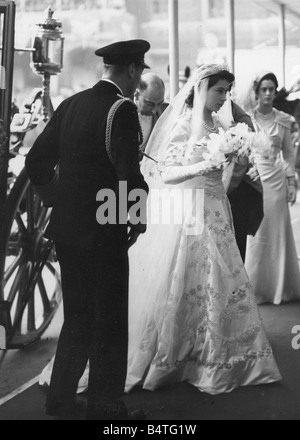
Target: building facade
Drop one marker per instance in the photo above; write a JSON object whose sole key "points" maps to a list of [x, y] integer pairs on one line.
{"points": [[203, 34], [88, 24]]}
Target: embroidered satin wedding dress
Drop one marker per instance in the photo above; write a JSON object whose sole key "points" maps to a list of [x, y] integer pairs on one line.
{"points": [[193, 315]]}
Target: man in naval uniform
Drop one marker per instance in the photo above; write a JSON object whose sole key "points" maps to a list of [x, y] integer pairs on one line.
{"points": [[93, 257]]}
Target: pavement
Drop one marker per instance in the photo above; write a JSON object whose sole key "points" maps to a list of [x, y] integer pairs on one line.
{"points": [[25, 400]]}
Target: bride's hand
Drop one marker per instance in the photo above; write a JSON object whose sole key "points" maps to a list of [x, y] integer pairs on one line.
{"points": [[232, 157], [292, 193], [133, 235], [204, 171]]}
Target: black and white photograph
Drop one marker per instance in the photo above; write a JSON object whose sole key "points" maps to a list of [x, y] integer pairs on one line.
{"points": [[149, 212]]}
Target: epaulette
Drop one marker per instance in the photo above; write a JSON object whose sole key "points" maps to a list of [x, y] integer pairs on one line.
{"points": [[110, 118], [122, 100]]}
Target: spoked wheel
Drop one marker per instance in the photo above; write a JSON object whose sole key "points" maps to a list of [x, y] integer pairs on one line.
{"points": [[31, 278]]}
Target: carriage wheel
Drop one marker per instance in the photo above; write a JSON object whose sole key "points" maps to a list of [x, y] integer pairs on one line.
{"points": [[31, 278]]}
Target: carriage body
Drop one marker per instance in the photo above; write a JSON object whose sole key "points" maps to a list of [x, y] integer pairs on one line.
{"points": [[30, 287]]}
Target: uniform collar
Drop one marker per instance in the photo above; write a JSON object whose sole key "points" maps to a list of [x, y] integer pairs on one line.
{"points": [[116, 85]]}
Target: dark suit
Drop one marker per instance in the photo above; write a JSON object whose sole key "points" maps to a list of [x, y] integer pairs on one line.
{"points": [[245, 195], [93, 258], [155, 118], [158, 114]]}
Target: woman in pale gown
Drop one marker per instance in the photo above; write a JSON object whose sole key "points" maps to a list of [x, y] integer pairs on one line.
{"points": [[193, 314], [271, 261]]}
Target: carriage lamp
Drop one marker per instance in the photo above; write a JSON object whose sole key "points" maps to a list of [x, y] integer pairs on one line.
{"points": [[47, 57]]}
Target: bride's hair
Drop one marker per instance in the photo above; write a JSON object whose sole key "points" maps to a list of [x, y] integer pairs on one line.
{"points": [[213, 80]]}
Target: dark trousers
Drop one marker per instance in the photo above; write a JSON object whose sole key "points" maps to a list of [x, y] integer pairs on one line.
{"points": [[95, 295], [240, 225], [248, 212]]}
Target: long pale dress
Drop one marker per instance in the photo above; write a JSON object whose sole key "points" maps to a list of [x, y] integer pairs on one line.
{"points": [[271, 258], [193, 314]]}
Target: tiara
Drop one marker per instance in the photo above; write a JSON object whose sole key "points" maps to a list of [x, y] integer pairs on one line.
{"points": [[207, 70]]}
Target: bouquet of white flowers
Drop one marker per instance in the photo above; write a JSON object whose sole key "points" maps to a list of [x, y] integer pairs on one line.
{"points": [[221, 150], [226, 147], [237, 141]]}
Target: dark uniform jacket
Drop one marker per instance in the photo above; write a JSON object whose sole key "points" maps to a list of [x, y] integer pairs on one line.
{"points": [[155, 118], [75, 140]]}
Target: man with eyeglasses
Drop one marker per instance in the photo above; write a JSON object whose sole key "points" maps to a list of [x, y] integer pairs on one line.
{"points": [[150, 101]]}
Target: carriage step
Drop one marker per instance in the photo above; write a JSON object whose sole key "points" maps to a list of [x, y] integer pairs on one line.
{"points": [[19, 342], [5, 319]]}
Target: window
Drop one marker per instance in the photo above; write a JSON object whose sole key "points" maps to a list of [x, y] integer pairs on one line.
{"points": [[156, 8], [216, 8], [160, 7]]}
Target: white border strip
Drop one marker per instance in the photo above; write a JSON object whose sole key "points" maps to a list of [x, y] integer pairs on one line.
{"points": [[19, 391]]}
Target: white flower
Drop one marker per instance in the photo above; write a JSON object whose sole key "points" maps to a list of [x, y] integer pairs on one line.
{"points": [[227, 147], [216, 160], [240, 130], [238, 140], [253, 173]]}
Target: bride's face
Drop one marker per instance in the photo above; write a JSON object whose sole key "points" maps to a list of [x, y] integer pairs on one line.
{"points": [[217, 95]]}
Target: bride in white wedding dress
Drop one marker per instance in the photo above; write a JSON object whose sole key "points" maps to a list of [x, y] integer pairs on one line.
{"points": [[193, 315], [192, 312]]}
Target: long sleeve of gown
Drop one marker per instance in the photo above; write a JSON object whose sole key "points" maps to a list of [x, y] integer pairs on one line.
{"points": [[288, 153], [175, 172], [179, 174]]}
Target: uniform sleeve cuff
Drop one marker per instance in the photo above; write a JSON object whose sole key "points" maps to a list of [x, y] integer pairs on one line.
{"points": [[47, 192]]}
